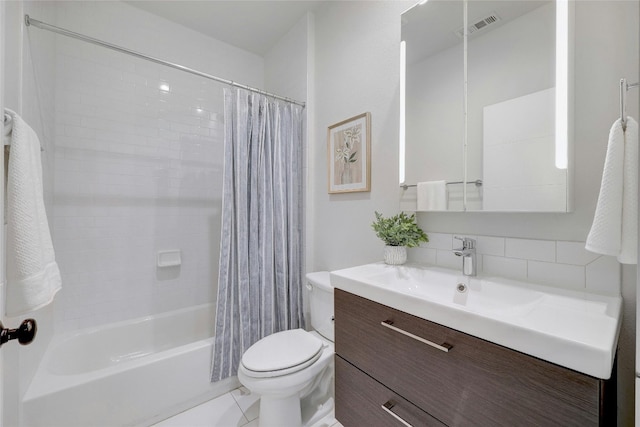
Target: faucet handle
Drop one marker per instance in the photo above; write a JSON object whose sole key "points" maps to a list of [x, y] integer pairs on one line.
{"points": [[467, 242]]}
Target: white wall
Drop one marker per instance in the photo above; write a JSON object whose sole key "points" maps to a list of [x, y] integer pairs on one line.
{"points": [[357, 57], [357, 70], [285, 65], [138, 168]]}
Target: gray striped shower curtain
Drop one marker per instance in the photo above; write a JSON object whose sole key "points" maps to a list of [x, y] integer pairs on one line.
{"points": [[260, 275]]}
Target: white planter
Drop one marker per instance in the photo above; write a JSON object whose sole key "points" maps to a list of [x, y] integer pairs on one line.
{"points": [[395, 255]]}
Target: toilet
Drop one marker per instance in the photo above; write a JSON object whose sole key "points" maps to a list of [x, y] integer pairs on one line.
{"points": [[293, 370]]}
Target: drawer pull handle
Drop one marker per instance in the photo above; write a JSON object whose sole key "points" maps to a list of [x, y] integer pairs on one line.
{"points": [[387, 408], [442, 347]]}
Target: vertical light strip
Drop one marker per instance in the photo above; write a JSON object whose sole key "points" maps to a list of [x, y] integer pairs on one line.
{"points": [[562, 66], [465, 40], [403, 80]]}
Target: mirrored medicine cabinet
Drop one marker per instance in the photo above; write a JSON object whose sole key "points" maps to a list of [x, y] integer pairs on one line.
{"points": [[486, 104]]}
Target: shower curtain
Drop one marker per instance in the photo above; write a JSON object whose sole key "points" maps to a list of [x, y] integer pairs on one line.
{"points": [[260, 278]]}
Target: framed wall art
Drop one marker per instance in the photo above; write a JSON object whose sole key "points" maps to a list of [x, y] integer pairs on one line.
{"points": [[349, 155]]}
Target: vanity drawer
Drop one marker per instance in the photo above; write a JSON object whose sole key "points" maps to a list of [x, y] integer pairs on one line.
{"points": [[360, 400], [474, 383]]}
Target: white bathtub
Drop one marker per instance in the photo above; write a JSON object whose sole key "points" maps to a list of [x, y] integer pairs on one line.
{"points": [[131, 373]]}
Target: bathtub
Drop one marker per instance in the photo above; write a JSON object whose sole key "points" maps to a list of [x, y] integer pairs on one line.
{"points": [[131, 373]]}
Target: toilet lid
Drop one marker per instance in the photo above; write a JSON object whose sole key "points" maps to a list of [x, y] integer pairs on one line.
{"points": [[282, 351]]}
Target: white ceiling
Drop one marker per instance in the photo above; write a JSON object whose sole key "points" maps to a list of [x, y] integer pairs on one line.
{"points": [[255, 25]]}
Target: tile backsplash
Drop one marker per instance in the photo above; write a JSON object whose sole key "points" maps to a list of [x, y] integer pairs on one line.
{"points": [[562, 264]]}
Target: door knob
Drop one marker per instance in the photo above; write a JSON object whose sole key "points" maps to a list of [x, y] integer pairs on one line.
{"points": [[25, 333]]}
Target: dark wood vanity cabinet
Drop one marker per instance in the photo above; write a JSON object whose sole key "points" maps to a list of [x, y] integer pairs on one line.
{"points": [[462, 381]]}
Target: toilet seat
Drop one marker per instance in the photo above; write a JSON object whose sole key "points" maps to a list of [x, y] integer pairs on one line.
{"points": [[282, 353]]}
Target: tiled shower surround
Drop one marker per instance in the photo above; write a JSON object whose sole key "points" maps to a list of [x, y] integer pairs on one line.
{"points": [[556, 263], [138, 169]]}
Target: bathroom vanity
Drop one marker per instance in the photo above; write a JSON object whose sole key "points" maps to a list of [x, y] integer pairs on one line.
{"points": [[396, 368]]}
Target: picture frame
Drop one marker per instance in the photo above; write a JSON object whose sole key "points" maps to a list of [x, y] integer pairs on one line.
{"points": [[349, 155]]}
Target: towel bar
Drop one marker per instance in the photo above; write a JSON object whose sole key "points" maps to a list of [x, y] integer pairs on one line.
{"points": [[477, 183]]}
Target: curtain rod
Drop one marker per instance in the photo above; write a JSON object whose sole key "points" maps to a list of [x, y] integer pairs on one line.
{"points": [[44, 26]]}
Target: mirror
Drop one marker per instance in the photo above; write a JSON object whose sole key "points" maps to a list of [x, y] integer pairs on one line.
{"points": [[484, 126]]}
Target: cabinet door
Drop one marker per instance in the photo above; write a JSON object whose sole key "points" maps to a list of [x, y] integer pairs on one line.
{"points": [[475, 383], [362, 401]]}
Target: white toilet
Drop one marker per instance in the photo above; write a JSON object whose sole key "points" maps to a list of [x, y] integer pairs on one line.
{"points": [[293, 371]]}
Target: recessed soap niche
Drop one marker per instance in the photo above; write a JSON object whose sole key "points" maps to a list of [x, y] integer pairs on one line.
{"points": [[171, 258]]}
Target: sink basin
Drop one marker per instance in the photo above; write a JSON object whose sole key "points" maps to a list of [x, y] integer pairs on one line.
{"points": [[574, 329], [446, 287]]}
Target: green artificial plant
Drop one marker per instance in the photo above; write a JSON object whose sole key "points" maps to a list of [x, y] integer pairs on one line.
{"points": [[399, 230]]}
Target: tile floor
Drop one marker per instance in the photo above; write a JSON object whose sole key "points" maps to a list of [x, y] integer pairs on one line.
{"points": [[237, 408]]}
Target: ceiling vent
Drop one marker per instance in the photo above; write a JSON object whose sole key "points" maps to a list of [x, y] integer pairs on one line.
{"points": [[480, 24]]}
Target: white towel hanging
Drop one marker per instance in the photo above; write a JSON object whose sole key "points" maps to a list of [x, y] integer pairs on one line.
{"points": [[615, 230], [431, 196], [33, 277]]}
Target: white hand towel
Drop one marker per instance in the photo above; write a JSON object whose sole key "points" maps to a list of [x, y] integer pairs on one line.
{"points": [[629, 245], [33, 277], [431, 196], [615, 230]]}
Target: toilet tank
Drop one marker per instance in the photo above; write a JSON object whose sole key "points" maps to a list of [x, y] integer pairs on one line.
{"points": [[321, 303]]}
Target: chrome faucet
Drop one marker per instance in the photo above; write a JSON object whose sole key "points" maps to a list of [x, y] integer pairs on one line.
{"points": [[468, 254]]}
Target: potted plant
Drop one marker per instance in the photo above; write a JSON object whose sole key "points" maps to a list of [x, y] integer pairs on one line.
{"points": [[398, 232]]}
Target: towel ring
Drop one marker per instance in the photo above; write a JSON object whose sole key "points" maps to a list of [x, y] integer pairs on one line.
{"points": [[8, 124]]}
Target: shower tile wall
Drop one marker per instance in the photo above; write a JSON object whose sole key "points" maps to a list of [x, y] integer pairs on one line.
{"points": [[138, 165]]}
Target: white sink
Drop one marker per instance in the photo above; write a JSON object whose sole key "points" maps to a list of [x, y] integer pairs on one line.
{"points": [[574, 329]]}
